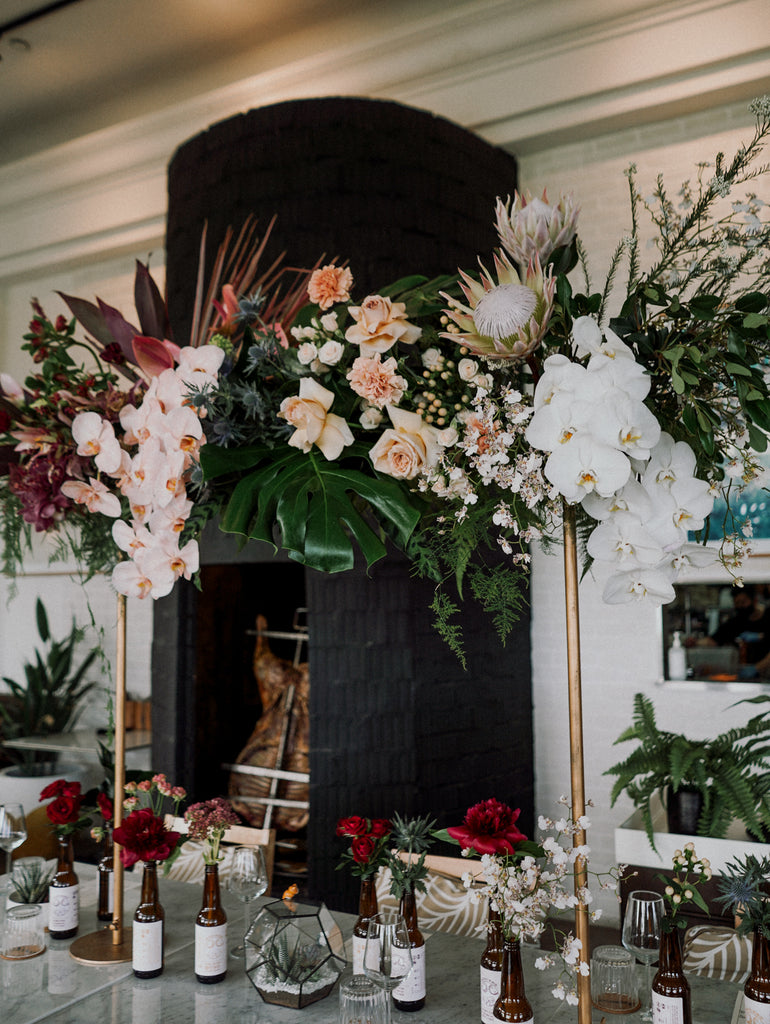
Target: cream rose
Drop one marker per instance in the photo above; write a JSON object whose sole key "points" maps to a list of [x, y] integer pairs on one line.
{"points": [[307, 352], [379, 324], [409, 448], [309, 413], [467, 368], [370, 418], [331, 353]]}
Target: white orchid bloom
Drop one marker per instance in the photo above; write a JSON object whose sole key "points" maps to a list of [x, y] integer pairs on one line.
{"points": [[694, 502], [166, 555], [560, 374], [691, 556], [585, 465], [199, 365], [586, 336], [557, 423], [130, 538], [630, 498], [171, 389], [614, 368], [626, 424], [669, 461], [638, 584], [624, 539], [134, 580]]}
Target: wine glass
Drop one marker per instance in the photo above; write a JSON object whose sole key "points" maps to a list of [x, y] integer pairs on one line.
{"points": [[13, 830], [387, 954], [641, 934], [247, 880]]}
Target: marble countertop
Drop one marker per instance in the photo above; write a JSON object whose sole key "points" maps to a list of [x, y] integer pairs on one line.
{"points": [[54, 987]]}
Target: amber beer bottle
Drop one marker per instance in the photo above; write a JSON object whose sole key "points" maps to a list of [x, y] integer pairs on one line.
{"points": [[211, 932], [147, 939], [367, 908], [105, 873], [491, 966], [512, 1004], [410, 994], [756, 991], [64, 894], [670, 988]]}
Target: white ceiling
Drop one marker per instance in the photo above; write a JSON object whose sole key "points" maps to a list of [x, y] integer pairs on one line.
{"points": [[92, 63]]}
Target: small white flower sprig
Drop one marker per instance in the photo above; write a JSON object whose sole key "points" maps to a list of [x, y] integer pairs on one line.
{"points": [[524, 880], [690, 871]]}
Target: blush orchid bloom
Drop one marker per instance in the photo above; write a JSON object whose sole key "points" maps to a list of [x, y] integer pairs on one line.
{"points": [[95, 495], [95, 437]]}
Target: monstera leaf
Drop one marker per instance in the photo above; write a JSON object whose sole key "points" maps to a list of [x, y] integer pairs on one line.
{"points": [[318, 505]]}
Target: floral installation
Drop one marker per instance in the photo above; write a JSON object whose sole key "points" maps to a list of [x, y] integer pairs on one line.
{"points": [[460, 419], [368, 848], [743, 888], [522, 880], [690, 872], [65, 810], [410, 840], [142, 835], [208, 821]]}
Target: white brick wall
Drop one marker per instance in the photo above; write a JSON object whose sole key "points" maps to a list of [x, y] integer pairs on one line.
{"points": [[621, 646]]}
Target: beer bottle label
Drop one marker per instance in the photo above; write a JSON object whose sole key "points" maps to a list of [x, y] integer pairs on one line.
{"points": [[210, 950]]}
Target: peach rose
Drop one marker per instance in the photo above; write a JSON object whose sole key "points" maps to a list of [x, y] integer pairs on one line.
{"points": [[379, 324], [330, 284], [376, 381], [411, 447], [309, 413]]}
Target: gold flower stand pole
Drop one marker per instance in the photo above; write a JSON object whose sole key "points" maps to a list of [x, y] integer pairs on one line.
{"points": [[577, 773], [112, 945]]}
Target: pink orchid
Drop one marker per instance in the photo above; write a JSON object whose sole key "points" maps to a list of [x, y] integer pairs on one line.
{"points": [[95, 438], [94, 495]]}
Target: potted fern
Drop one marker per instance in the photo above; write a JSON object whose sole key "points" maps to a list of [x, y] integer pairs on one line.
{"points": [[724, 778]]}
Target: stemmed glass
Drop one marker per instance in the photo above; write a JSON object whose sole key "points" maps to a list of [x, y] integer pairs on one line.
{"points": [[387, 954], [13, 830], [641, 934], [247, 880]]}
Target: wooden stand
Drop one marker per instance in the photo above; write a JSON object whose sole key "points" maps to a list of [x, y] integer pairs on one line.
{"points": [[112, 944]]}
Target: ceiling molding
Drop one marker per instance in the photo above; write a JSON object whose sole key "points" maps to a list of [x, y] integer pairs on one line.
{"points": [[498, 68]]}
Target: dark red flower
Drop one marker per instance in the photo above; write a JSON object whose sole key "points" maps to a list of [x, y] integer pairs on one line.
{"points": [[64, 810], [5, 421], [61, 323], [105, 806], [488, 827], [380, 827], [353, 826], [38, 487], [143, 836], [362, 848], [60, 788]]}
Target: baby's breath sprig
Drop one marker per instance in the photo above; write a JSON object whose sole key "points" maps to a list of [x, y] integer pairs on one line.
{"points": [[690, 872]]}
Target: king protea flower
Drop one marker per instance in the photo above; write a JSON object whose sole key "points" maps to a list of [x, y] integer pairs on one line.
{"points": [[503, 320], [534, 227]]}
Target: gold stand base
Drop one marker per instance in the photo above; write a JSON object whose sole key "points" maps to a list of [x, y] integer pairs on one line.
{"points": [[99, 948]]}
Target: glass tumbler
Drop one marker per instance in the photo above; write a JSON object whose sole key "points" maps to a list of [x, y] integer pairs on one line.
{"points": [[23, 933], [362, 1002], [613, 980]]}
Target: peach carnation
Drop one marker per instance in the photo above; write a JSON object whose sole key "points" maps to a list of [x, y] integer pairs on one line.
{"points": [[330, 284], [376, 381]]}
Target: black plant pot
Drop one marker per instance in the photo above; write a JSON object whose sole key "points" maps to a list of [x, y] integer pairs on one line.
{"points": [[683, 809]]}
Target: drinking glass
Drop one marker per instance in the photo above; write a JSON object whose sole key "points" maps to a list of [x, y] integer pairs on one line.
{"points": [[362, 1002], [13, 830], [641, 934], [387, 954], [247, 880]]}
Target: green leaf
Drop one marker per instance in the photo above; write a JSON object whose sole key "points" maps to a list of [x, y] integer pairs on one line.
{"points": [[751, 302], [42, 622], [757, 439], [315, 504], [677, 383], [753, 320], [736, 369]]}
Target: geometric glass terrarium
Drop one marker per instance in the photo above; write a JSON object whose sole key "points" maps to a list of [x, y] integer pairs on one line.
{"points": [[294, 953]]}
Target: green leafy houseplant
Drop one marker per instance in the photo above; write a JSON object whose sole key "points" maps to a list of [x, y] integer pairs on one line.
{"points": [[30, 883], [48, 702], [730, 771]]}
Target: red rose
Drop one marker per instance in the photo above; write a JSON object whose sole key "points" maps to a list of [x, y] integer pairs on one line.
{"points": [[143, 836], [488, 827], [53, 789], [105, 806], [64, 810], [362, 848], [354, 826], [380, 827]]}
